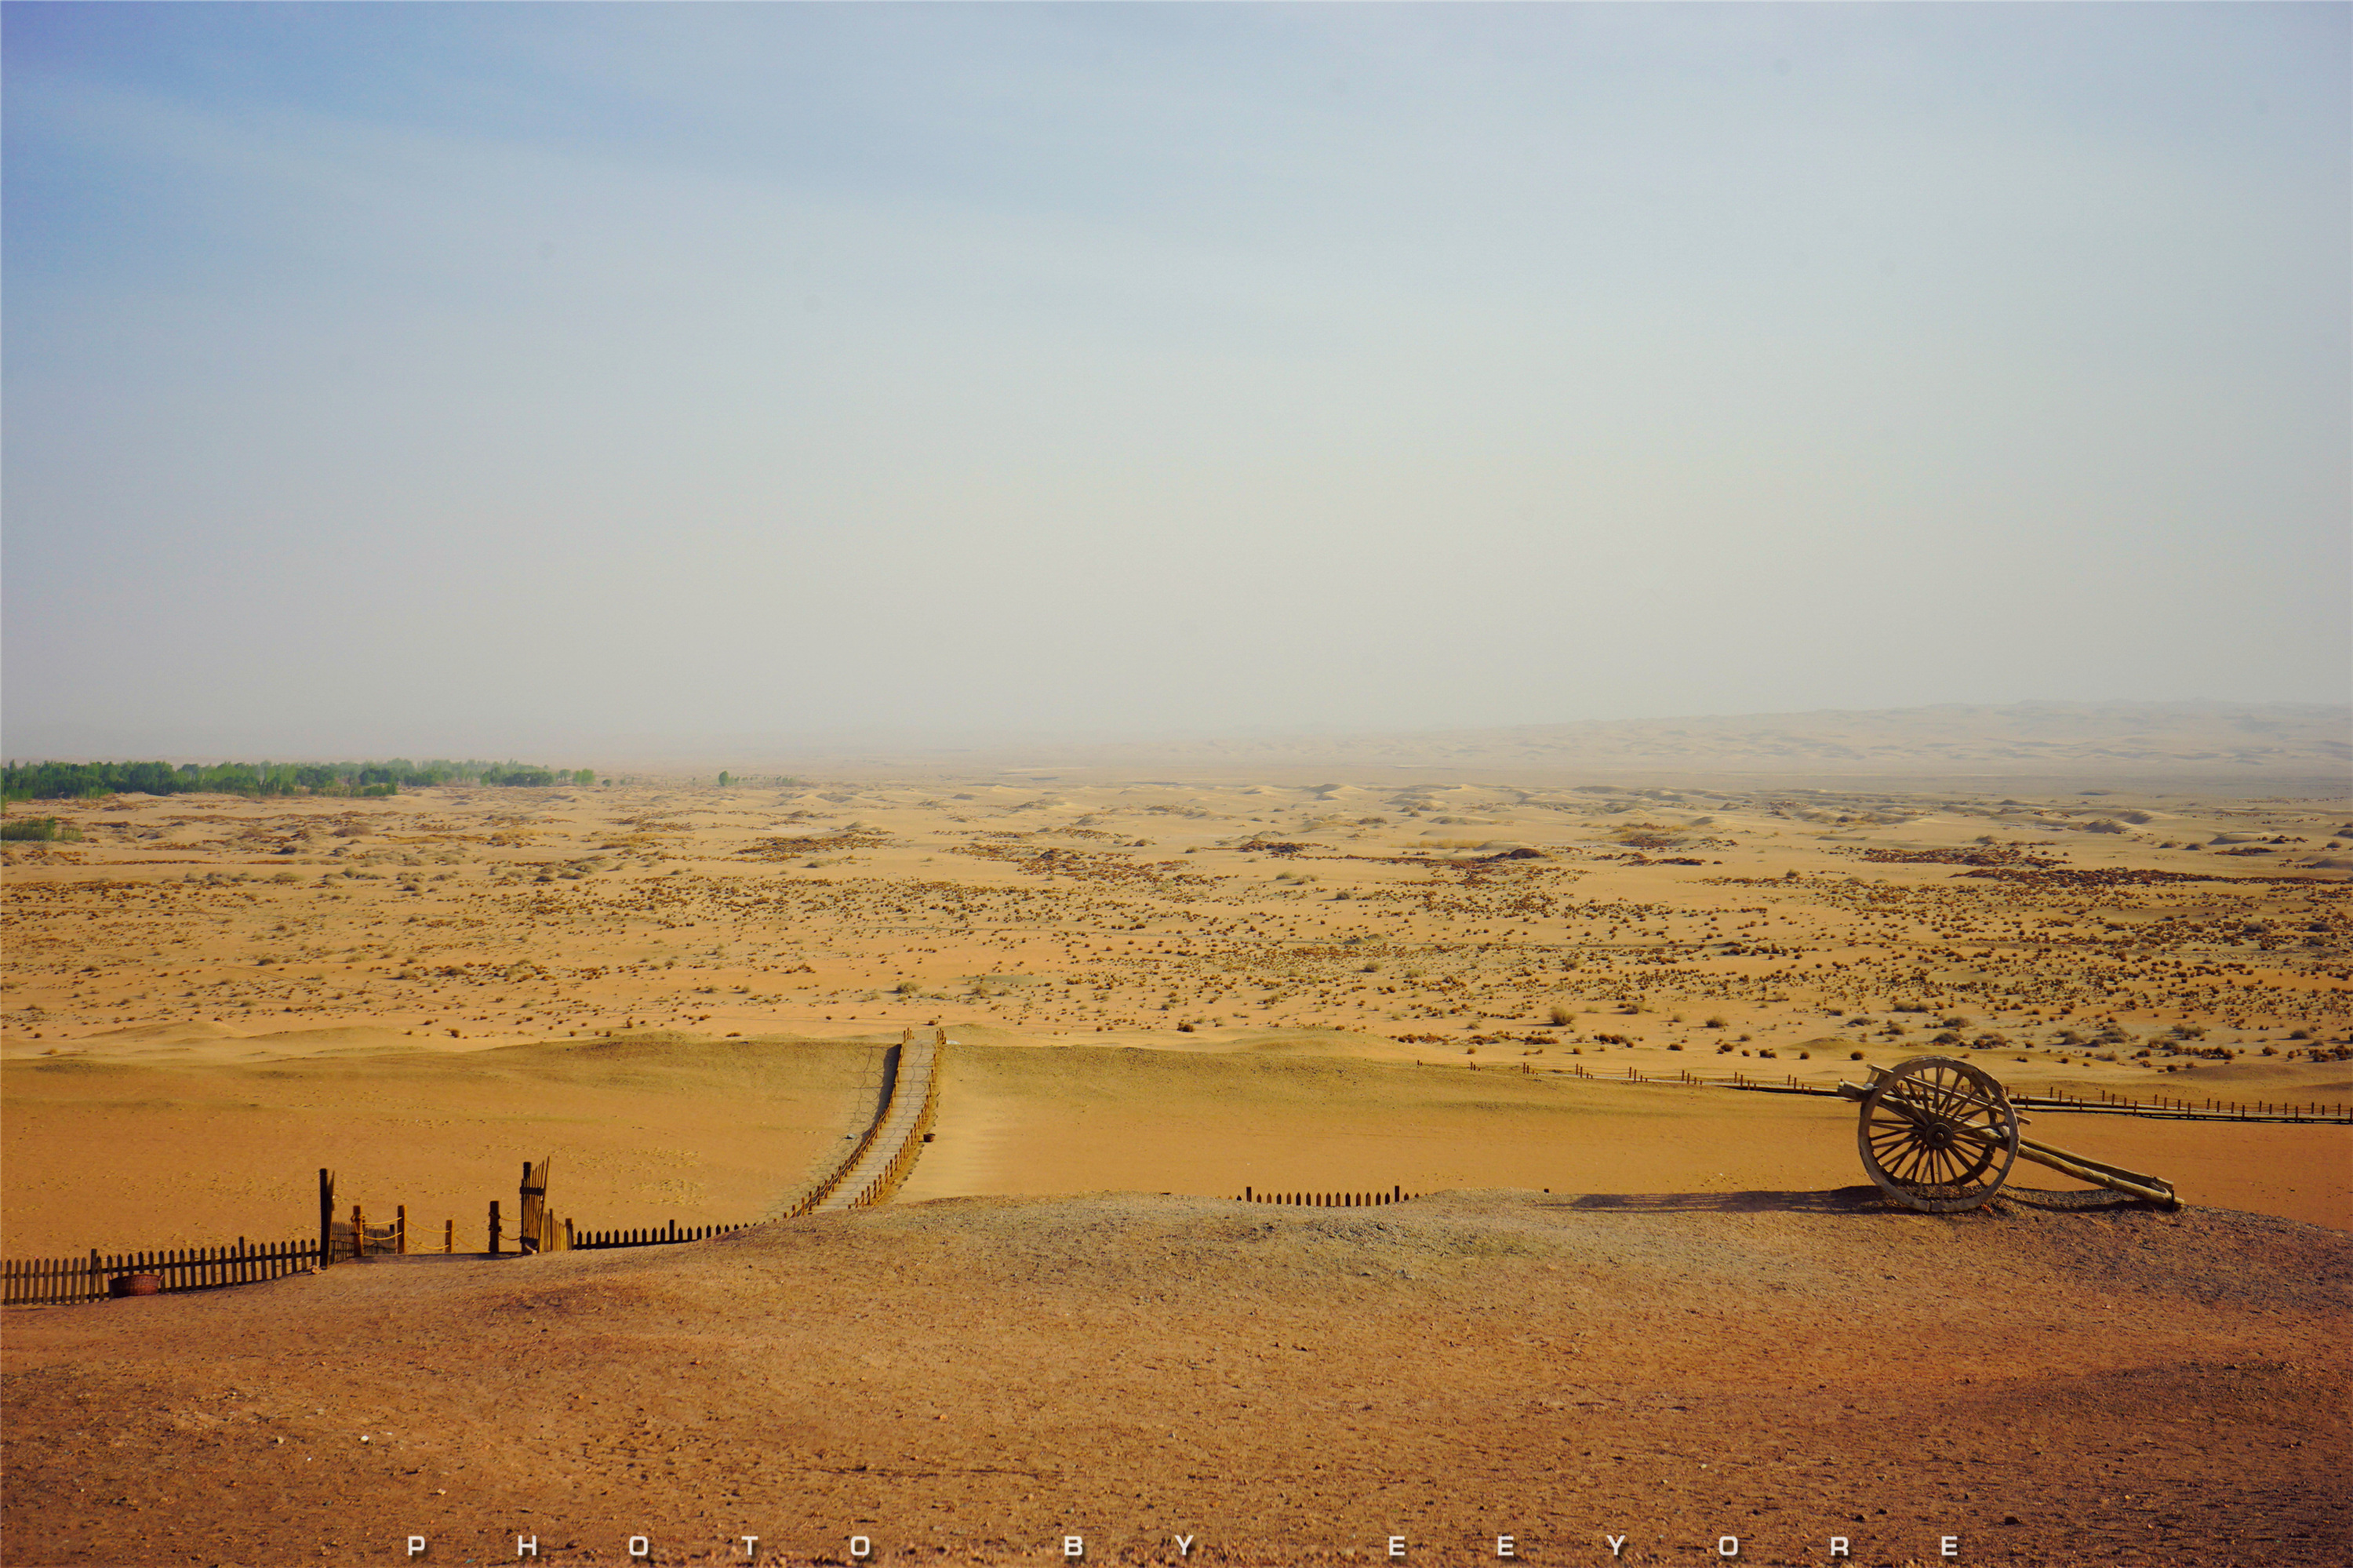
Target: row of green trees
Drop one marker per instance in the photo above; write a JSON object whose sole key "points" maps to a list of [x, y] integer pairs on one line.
{"points": [[73, 780]]}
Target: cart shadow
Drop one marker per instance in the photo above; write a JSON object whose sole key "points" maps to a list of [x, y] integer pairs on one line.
{"points": [[1836, 1201], [1856, 1201]]}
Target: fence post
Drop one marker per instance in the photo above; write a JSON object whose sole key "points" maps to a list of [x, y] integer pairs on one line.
{"points": [[494, 1228], [449, 1235], [326, 1216], [400, 1223], [97, 1276]]}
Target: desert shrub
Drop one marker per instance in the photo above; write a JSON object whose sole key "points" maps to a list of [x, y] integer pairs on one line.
{"points": [[1561, 1017], [1717, 1023], [1675, 1045], [1804, 1056], [68, 780], [1953, 1021], [1854, 1055], [38, 830]]}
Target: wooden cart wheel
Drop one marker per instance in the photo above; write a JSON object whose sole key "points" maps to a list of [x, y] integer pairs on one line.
{"points": [[1937, 1134]]}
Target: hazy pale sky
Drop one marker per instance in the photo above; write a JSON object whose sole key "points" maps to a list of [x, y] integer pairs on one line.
{"points": [[450, 378]]}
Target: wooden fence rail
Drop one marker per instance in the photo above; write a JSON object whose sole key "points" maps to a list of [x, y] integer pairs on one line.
{"points": [[50, 1281], [1328, 1200], [2161, 1108]]}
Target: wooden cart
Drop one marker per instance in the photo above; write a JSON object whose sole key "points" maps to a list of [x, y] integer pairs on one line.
{"points": [[1940, 1135]]}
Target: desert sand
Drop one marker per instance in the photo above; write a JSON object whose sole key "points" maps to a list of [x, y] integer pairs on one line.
{"points": [[1175, 989], [457, 981]]}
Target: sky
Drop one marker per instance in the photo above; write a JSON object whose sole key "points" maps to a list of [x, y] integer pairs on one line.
{"points": [[451, 379]]}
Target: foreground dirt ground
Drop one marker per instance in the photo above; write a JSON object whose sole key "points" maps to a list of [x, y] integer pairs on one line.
{"points": [[978, 1379]]}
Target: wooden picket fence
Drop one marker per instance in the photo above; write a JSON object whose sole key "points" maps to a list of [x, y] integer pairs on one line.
{"points": [[52, 1281], [1329, 1200], [591, 1241]]}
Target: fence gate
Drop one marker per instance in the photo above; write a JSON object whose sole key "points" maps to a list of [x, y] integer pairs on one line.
{"points": [[535, 1228]]}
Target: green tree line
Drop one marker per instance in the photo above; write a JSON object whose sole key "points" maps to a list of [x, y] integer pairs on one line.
{"points": [[73, 780]]}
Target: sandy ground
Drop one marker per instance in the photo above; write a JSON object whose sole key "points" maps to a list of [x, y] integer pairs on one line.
{"points": [[1081, 1118], [423, 991], [141, 1153], [683, 994], [978, 1379]]}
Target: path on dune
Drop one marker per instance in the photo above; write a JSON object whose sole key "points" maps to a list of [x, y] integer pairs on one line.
{"points": [[982, 1377], [889, 1151]]}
